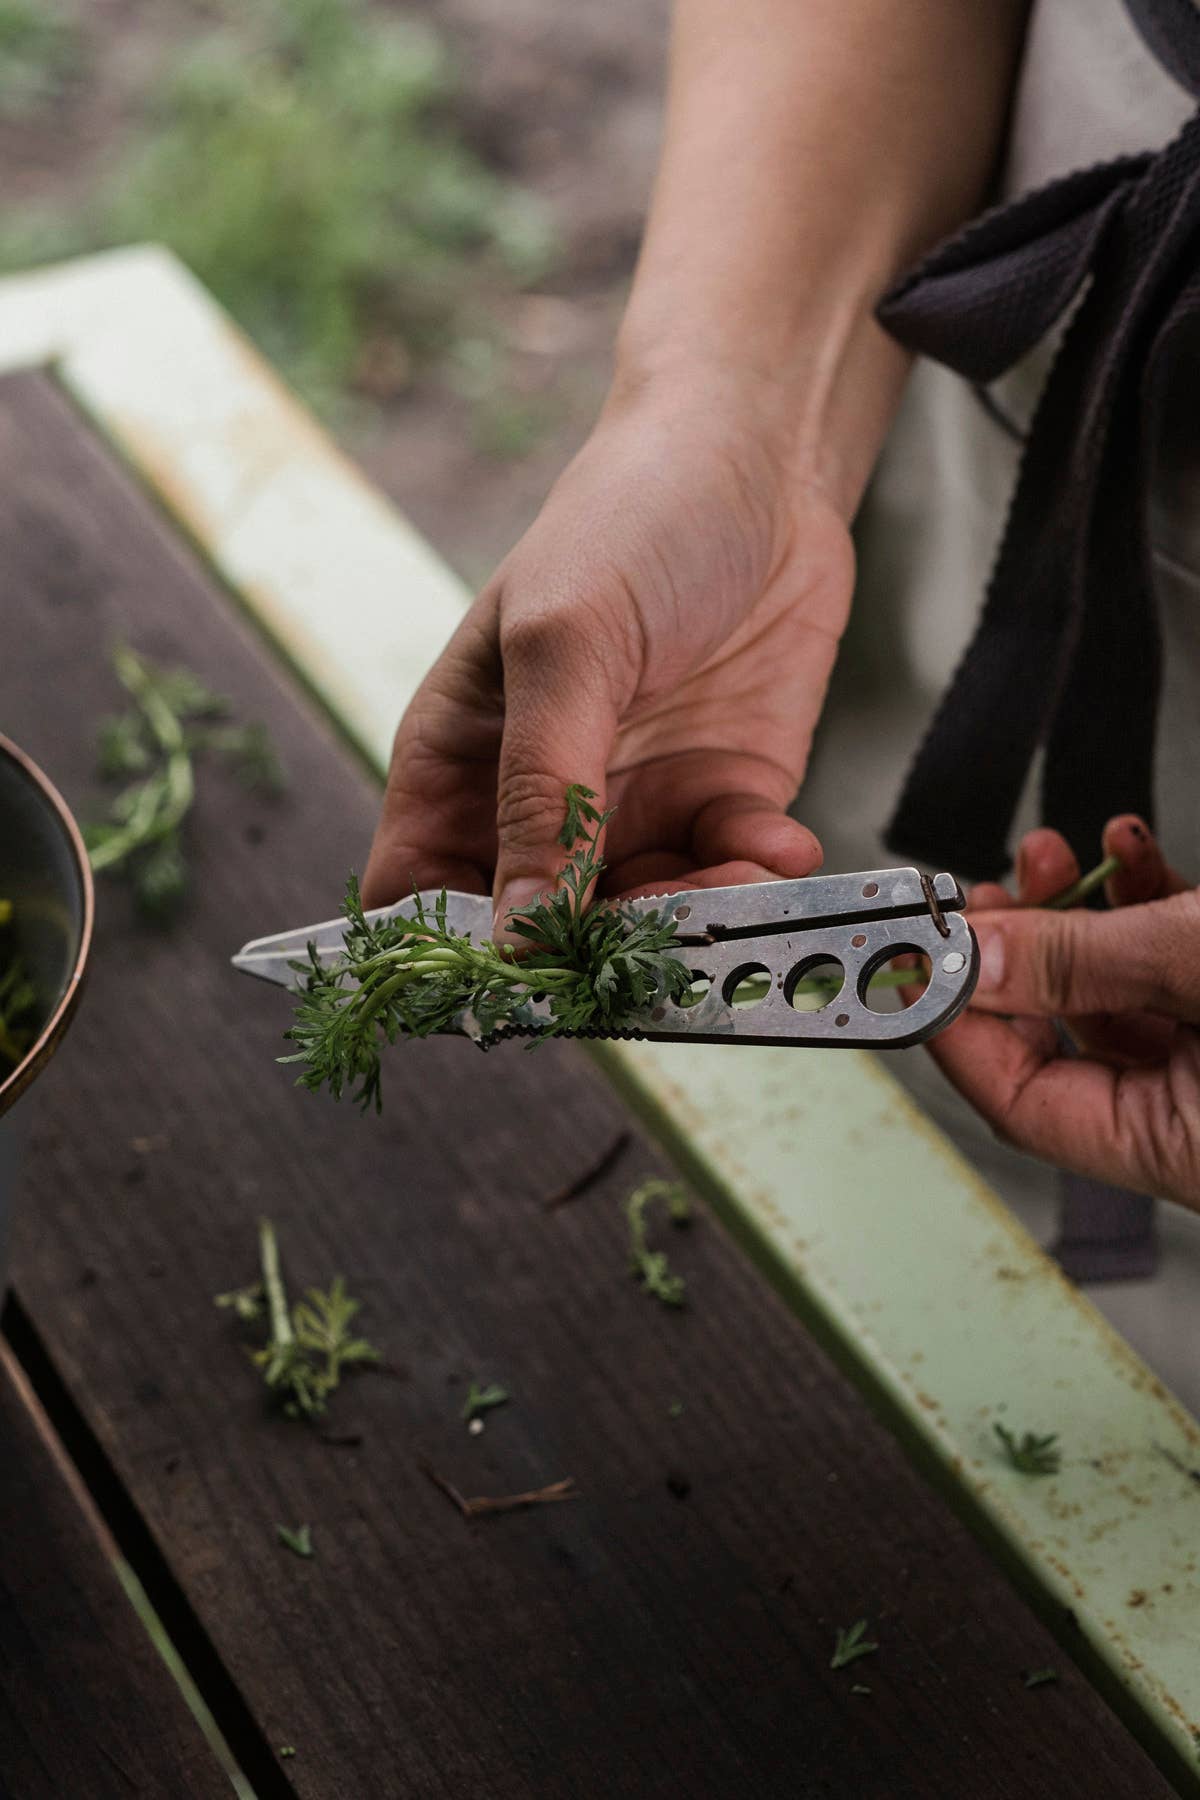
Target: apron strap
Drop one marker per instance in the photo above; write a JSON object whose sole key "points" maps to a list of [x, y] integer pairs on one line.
{"points": [[1066, 657]]}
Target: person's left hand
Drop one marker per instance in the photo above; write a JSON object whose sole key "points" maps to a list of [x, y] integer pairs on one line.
{"points": [[1126, 983]]}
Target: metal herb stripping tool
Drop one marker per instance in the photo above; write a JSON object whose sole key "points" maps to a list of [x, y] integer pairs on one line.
{"points": [[773, 962]]}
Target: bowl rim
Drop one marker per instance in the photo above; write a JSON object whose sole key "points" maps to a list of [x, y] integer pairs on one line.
{"points": [[50, 1036]]}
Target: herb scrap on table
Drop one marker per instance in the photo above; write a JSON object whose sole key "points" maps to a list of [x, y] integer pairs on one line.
{"points": [[595, 1171], [299, 1541], [153, 746], [310, 1344], [651, 1267], [484, 1504], [482, 1399], [412, 975], [851, 1643], [1030, 1454]]}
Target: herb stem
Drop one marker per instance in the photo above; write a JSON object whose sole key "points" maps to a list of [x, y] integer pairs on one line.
{"points": [[272, 1278], [1087, 884], [164, 801]]}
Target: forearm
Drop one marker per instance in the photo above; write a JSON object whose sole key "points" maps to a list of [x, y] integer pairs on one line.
{"points": [[812, 149]]}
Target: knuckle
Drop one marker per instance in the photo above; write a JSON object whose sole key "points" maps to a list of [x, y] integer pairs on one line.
{"points": [[541, 635], [1054, 966], [529, 809]]}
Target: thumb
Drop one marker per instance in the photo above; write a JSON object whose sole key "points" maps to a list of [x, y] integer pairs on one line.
{"points": [[1135, 959], [560, 722]]}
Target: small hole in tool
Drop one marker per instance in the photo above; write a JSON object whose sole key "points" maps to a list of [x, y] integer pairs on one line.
{"points": [[870, 891], [885, 981], [813, 983], [747, 986], [698, 990], [859, 939]]}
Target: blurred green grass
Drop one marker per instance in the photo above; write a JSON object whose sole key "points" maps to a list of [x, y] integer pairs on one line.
{"points": [[303, 158], [39, 53]]}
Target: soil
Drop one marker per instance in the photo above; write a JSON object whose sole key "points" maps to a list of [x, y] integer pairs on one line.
{"points": [[563, 99], [566, 99]]}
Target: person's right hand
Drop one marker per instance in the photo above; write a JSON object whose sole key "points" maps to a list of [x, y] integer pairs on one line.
{"points": [[664, 634]]}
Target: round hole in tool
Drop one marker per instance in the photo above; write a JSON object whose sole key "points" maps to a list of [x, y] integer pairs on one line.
{"points": [[884, 979], [698, 990], [747, 986], [870, 891], [813, 983]]}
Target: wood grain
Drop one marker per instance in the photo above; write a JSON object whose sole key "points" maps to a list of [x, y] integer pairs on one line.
{"points": [[670, 1631], [86, 1707]]}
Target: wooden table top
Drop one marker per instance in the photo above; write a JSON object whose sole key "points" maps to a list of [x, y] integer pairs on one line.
{"points": [[668, 1632]]}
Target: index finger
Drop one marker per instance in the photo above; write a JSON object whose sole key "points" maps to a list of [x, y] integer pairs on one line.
{"points": [[437, 827]]}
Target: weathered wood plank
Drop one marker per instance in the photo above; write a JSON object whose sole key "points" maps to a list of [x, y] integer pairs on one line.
{"points": [[86, 1707], [669, 1632]]}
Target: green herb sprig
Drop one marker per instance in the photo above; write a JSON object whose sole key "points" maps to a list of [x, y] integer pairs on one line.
{"points": [[414, 975], [153, 745], [482, 1399], [18, 999], [651, 1267], [1030, 1454], [851, 1643], [299, 1541], [310, 1344]]}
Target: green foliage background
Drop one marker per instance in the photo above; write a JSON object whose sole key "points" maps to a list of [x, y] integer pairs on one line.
{"points": [[301, 156]]}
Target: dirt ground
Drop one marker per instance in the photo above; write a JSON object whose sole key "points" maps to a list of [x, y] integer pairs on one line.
{"points": [[563, 99], [566, 99]]}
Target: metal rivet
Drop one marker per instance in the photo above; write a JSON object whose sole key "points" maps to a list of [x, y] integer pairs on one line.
{"points": [[842, 1019], [859, 939], [954, 962], [683, 912], [870, 891]]}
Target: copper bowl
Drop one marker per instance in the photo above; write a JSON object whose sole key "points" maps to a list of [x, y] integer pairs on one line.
{"points": [[44, 872]]}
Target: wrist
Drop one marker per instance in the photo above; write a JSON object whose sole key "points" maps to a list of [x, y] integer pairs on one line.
{"points": [[821, 395]]}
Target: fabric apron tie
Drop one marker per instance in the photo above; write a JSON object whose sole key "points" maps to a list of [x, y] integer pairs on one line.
{"points": [[1066, 654]]}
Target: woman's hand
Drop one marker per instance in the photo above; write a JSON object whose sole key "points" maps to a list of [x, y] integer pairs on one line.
{"points": [[665, 631], [664, 634], [1126, 983]]}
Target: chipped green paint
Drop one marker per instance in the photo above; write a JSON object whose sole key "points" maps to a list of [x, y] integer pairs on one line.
{"points": [[875, 1229]]}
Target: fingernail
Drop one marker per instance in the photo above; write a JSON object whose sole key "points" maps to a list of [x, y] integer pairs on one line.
{"points": [[516, 898], [991, 958]]}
